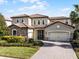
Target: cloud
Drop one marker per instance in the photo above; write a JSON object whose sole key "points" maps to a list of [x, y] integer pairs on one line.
{"points": [[40, 5], [65, 9], [14, 1], [3, 1], [10, 11], [31, 1]]}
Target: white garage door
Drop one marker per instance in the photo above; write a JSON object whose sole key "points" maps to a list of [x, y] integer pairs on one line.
{"points": [[59, 36]]}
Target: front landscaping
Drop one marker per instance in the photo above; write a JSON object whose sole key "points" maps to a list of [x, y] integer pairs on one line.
{"points": [[18, 46], [75, 42], [18, 52]]}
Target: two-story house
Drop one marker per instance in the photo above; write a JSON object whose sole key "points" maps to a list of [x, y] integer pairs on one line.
{"points": [[42, 27]]}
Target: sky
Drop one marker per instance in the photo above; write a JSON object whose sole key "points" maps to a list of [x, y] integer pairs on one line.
{"points": [[46, 7]]}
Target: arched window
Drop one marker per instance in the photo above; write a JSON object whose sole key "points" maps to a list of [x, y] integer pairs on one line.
{"points": [[43, 21], [14, 32], [38, 22]]}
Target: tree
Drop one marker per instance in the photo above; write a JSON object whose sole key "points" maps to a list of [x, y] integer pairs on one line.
{"points": [[3, 26], [74, 16], [76, 8]]}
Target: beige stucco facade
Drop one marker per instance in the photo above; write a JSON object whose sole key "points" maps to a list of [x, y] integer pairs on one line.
{"points": [[29, 26]]}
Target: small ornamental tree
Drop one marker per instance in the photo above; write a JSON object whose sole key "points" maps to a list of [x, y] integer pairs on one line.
{"points": [[3, 26]]}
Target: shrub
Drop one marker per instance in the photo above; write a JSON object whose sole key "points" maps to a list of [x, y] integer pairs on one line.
{"points": [[76, 34], [17, 44], [2, 42], [30, 40], [13, 39], [38, 43]]}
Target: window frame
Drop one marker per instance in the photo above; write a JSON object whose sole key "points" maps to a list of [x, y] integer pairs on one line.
{"points": [[38, 22], [12, 32], [17, 21], [43, 22], [22, 20], [34, 22]]}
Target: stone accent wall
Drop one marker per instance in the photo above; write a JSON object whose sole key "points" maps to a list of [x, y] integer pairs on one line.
{"points": [[20, 31]]}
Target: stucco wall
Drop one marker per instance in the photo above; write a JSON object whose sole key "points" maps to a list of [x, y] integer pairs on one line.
{"points": [[63, 20], [30, 33], [62, 27], [41, 21], [14, 20]]}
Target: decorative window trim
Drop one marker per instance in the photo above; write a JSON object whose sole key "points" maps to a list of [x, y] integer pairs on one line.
{"points": [[14, 30]]}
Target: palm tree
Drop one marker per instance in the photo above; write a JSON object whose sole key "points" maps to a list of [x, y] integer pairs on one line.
{"points": [[74, 16], [76, 8]]}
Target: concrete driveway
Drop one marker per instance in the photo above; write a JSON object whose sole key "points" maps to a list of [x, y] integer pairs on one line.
{"points": [[55, 50]]}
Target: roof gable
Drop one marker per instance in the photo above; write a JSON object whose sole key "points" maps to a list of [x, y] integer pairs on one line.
{"points": [[61, 23], [37, 16], [21, 25]]}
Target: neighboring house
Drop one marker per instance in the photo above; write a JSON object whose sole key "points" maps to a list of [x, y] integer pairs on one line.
{"points": [[41, 27]]}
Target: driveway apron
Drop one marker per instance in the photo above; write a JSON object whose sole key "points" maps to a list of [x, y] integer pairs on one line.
{"points": [[55, 50]]}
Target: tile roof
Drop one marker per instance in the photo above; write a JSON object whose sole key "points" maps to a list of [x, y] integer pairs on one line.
{"points": [[59, 18], [21, 25], [37, 16], [21, 15]]}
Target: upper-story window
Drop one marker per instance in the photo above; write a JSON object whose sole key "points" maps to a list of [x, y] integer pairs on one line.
{"points": [[43, 21], [66, 22], [38, 22], [22, 21], [34, 22], [17, 21]]}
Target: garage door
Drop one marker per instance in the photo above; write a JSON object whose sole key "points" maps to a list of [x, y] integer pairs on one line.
{"points": [[59, 36]]}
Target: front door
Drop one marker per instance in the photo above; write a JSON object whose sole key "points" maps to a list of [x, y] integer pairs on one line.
{"points": [[40, 34]]}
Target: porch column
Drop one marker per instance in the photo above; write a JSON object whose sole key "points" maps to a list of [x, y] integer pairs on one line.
{"points": [[35, 34]]}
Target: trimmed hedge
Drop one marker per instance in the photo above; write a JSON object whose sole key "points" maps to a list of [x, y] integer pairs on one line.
{"points": [[36, 43], [3, 42], [17, 44], [13, 39], [18, 41]]}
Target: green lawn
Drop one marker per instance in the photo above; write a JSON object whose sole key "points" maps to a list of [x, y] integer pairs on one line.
{"points": [[21, 52]]}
